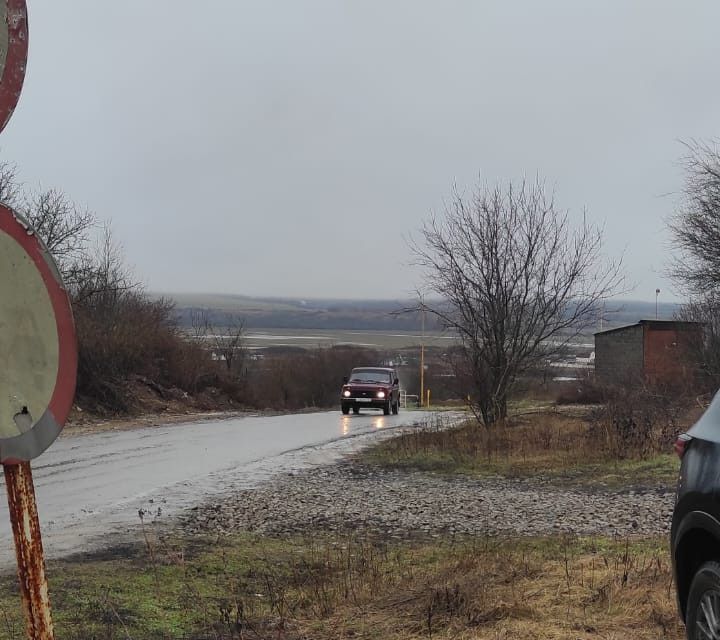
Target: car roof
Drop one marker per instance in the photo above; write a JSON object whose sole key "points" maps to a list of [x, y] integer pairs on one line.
{"points": [[373, 369]]}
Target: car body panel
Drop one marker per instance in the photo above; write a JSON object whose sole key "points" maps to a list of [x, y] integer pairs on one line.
{"points": [[695, 530]]}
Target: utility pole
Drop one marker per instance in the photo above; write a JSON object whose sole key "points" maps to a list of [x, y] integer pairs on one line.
{"points": [[657, 293], [422, 350]]}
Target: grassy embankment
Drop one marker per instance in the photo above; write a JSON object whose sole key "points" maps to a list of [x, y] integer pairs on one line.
{"points": [[565, 447], [247, 587], [555, 588]]}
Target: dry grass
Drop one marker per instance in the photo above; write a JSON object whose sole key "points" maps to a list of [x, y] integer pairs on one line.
{"points": [[557, 589], [557, 445], [252, 588]]}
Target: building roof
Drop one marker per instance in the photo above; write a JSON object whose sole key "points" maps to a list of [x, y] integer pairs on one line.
{"points": [[682, 325]]}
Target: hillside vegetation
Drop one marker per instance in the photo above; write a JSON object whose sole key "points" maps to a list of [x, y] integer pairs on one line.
{"points": [[319, 313]]}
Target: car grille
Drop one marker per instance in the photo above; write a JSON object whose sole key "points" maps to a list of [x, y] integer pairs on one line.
{"points": [[363, 393]]}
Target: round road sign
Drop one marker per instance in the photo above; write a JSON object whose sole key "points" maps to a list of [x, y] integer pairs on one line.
{"points": [[38, 349], [13, 55]]}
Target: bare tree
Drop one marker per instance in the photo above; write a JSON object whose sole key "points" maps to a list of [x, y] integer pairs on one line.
{"points": [[695, 266], [229, 344], [703, 347], [92, 263], [64, 227], [516, 281], [200, 324], [695, 227]]}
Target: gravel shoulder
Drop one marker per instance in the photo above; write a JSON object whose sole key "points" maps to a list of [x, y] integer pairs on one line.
{"points": [[354, 497]]}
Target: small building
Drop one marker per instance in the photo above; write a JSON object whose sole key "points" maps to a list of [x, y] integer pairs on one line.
{"points": [[651, 351]]}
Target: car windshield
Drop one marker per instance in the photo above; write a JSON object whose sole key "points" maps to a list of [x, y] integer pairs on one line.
{"points": [[370, 376]]}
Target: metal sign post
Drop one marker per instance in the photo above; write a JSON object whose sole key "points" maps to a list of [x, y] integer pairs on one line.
{"points": [[29, 551]]}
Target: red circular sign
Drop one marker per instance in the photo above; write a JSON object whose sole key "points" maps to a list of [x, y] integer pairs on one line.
{"points": [[38, 347], [13, 55]]}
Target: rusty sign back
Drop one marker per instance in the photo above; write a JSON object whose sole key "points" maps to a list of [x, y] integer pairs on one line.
{"points": [[13, 55], [37, 343]]}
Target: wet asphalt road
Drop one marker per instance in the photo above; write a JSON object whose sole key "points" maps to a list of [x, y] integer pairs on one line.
{"points": [[90, 488]]}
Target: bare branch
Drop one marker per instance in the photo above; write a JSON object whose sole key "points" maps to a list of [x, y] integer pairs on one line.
{"points": [[63, 226], [99, 278], [9, 184]]}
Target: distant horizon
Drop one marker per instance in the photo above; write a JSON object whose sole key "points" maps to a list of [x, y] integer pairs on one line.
{"points": [[297, 297]]}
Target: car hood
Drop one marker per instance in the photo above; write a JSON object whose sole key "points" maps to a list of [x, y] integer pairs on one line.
{"points": [[368, 385]]}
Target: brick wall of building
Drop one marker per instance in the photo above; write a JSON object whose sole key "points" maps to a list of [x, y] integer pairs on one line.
{"points": [[666, 354], [619, 355]]}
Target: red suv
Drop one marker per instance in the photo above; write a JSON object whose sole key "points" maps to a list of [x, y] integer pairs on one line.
{"points": [[373, 387]]}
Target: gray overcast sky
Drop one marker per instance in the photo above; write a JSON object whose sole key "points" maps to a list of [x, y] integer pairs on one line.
{"points": [[288, 148]]}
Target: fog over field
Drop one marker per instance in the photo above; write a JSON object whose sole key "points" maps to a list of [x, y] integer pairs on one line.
{"points": [[377, 317]]}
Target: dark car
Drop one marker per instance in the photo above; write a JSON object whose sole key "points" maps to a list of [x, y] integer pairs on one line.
{"points": [[695, 534], [372, 388]]}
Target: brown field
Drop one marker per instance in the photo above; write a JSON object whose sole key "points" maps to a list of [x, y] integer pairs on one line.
{"points": [[311, 338]]}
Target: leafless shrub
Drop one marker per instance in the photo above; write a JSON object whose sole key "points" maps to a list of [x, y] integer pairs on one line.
{"points": [[580, 392], [307, 378], [637, 421]]}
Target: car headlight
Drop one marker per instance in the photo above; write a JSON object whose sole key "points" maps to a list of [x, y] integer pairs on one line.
{"points": [[346, 393], [381, 394]]}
